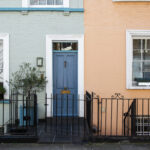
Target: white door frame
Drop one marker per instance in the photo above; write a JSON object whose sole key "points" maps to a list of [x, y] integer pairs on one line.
{"points": [[49, 68]]}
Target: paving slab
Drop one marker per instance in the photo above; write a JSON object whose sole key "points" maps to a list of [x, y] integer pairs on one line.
{"points": [[26, 146], [88, 146], [76, 147], [135, 146], [105, 146]]}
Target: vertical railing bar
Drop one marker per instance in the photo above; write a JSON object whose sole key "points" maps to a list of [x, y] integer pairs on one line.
{"points": [[92, 110], [105, 116], [73, 128], [11, 108], [29, 117], [137, 107], [101, 114], [35, 113], [84, 114], [23, 107], [14, 108], [142, 114], [26, 110], [72, 114], [56, 113], [3, 116], [61, 113], [98, 115], [117, 120], [67, 114], [148, 117], [128, 117], [122, 116], [52, 113], [45, 112], [111, 115], [78, 115]]}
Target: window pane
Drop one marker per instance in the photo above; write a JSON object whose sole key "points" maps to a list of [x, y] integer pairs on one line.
{"points": [[34, 2], [42, 2], [146, 69], [137, 44], [141, 72], [59, 2], [50, 2], [137, 73], [65, 46], [146, 52], [148, 44], [137, 49]]}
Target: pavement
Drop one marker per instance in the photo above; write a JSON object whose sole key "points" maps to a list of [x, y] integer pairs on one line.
{"points": [[88, 146]]}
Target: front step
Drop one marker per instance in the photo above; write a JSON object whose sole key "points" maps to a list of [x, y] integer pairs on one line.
{"points": [[18, 139], [17, 130]]}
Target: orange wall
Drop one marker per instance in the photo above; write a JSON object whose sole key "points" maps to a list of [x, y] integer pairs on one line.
{"points": [[105, 44]]}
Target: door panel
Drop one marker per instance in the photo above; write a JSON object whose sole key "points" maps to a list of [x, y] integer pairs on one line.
{"points": [[71, 70], [59, 60], [65, 78]]}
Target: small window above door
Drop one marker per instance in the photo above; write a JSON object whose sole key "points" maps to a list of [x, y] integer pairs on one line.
{"points": [[65, 46], [46, 2]]}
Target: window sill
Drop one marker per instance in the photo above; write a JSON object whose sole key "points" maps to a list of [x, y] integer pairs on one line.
{"points": [[5, 101], [131, 0], [46, 6], [138, 88]]}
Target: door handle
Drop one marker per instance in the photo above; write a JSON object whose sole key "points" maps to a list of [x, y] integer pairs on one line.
{"points": [[65, 64]]}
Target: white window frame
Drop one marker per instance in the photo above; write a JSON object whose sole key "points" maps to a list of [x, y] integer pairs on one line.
{"points": [[49, 68], [26, 4], [130, 35], [5, 38]]}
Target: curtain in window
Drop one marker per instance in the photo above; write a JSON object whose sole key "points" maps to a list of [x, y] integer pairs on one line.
{"points": [[46, 2]]}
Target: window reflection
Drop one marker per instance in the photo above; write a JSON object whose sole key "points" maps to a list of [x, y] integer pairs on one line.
{"points": [[141, 61], [65, 46]]}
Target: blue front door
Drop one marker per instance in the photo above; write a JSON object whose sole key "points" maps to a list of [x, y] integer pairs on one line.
{"points": [[65, 84]]}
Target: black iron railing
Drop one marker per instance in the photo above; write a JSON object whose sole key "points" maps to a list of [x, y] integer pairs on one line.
{"points": [[96, 117], [120, 117], [67, 115], [130, 120], [18, 115]]}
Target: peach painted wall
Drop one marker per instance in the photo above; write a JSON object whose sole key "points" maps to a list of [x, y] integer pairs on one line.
{"points": [[105, 44]]}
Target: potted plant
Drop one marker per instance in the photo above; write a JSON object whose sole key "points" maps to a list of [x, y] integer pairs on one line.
{"points": [[28, 79]]}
